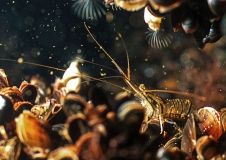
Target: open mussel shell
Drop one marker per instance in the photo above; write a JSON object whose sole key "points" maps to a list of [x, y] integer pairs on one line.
{"points": [[223, 118], [32, 131], [98, 96], [153, 128], [48, 110], [83, 146], [59, 136], [206, 147], [221, 147], [121, 97], [189, 136], [174, 142], [76, 126], [63, 153], [28, 91], [42, 88], [94, 119], [131, 115], [57, 118], [20, 106], [3, 79], [73, 104], [14, 93], [211, 123]]}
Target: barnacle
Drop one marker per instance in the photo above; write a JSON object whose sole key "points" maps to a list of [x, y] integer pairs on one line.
{"points": [[158, 39], [89, 9]]}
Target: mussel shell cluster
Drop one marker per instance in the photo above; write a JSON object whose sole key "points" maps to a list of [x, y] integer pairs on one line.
{"points": [[204, 135], [71, 125], [200, 18]]}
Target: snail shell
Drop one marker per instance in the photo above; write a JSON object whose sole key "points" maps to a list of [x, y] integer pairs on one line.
{"points": [[72, 78]]}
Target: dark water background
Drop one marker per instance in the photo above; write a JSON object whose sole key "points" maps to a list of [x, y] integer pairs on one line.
{"points": [[49, 33]]}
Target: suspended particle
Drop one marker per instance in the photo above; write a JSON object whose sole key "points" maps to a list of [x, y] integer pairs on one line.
{"points": [[20, 60], [89, 9]]}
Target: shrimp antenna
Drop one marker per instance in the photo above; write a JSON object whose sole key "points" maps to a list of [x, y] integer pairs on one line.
{"points": [[113, 61], [102, 79], [188, 94], [83, 60], [32, 63], [127, 77], [127, 56], [82, 75], [202, 98]]}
